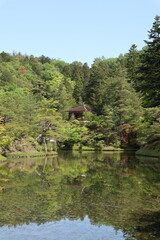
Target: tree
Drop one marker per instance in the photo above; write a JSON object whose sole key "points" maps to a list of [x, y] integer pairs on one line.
{"points": [[149, 129], [5, 57], [73, 133], [133, 64], [6, 78], [44, 59], [36, 65], [78, 77], [86, 79], [5, 140], [95, 90], [149, 79], [102, 70]]}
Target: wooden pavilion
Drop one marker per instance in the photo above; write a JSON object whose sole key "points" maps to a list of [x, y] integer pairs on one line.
{"points": [[77, 112]]}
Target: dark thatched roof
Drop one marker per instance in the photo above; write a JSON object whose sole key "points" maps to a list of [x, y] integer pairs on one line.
{"points": [[81, 109]]}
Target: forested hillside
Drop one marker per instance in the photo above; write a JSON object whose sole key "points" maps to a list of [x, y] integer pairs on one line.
{"points": [[36, 92]]}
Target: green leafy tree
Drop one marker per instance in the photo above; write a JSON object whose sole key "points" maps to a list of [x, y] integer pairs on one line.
{"points": [[73, 133], [6, 78], [149, 130], [44, 59], [5, 57], [5, 140], [36, 65]]}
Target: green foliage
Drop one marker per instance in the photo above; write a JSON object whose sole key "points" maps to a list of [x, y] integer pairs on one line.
{"points": [[149, 130], [80, 74], [133, 63], [35, 94], [73, 133], [148, 81], [5, 140], [5, 57], [116, 143]]}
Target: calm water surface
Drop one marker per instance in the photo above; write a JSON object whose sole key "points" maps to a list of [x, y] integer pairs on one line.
{"points": [[80, 196]]}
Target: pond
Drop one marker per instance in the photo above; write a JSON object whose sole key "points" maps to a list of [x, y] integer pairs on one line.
{"points": [[80, 196]]}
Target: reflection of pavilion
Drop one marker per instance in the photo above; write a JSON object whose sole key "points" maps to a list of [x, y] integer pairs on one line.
{"points": [[78, 111]]}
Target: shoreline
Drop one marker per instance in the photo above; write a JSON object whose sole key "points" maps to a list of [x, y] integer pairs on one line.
{"points": [[140, 152], [148, 153], [27, 155], [43, 154]]}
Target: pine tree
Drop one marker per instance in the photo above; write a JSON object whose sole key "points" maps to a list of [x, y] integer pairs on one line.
{"points": [[78, 77], [95, 90], [149, 79], [133, 64], [123, 100]]}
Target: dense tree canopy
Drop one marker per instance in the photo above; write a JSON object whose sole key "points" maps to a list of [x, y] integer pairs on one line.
{"points": [[36, 92]]}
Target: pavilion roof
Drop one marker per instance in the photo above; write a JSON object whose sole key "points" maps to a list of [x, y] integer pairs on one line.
{"points": [[81, 109]]}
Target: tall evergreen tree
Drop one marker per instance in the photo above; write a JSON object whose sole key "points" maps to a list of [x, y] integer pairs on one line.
{"points": [[122, 99], [95, 90], [149, 79], [78, 77], [102, 69], [133, 64]]}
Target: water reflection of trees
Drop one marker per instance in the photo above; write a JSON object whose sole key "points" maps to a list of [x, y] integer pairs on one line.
{"points": [[111, 189]]}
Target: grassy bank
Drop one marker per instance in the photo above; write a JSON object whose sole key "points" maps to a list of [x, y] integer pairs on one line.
{"points": [[30, 154], [148, 152], [105, 148], [2, 158]]}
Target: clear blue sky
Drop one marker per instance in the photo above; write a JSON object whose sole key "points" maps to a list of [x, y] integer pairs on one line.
{"points": [[75, 30]]}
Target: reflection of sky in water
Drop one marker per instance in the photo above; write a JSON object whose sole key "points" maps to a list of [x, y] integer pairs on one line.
{"points": [[62, 230]]}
